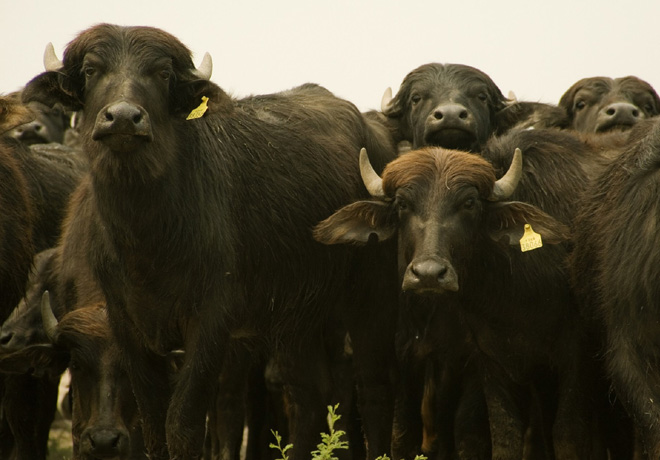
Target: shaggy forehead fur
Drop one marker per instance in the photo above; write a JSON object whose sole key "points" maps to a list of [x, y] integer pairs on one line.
{"points": [[110, 41], [428, 75], [602, 85], [86, 324], [423, 167]]}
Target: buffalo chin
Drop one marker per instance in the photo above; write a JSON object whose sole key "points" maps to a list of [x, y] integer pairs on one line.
{"points": [[612, 127], [123, 143], [451, 138]]}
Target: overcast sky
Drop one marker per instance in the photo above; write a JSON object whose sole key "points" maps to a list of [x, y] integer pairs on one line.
{"points": [[358, 48]]}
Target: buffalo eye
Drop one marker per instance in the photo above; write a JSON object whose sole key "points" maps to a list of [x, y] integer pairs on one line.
{"points": [[579, 105], [89, 71], [469, 203], [415, 98], [165, 75], [649, 108], [402, 205], [483, 97]]}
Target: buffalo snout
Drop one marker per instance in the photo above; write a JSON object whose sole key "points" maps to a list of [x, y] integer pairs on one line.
{"points": [[431, 275], [450, 126], [618, 114], [122, 126], [104, 443]]}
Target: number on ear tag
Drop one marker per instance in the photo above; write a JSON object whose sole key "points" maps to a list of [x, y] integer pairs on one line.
{"points": [[530, 239], [199, 111]]}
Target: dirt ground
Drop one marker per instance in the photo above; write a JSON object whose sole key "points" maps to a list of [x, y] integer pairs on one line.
{"points": [[59, 443]]}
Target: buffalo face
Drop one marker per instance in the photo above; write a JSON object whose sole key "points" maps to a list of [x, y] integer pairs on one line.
{"points": [[600, 104], [132, 85], [105, 422], [446, 209], [451, 106]]}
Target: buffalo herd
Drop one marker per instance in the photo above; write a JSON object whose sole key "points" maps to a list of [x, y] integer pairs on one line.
{"points": [[467, 275]]}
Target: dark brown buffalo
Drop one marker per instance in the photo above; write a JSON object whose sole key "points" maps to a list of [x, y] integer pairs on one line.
{"points": [[105, 419], [17, 216], [199, 233], [17, 212], [600, 104], [50, 173], [458, 107], [458, 246], [614, 267], [49, 125]]}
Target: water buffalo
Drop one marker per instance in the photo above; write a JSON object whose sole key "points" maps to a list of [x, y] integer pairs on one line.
{"points": [[196, 221], [105, 420], [17, 221], [458, 107], [49, 125], [614, 268], [458, 247], [601, 104], [17, 248]]}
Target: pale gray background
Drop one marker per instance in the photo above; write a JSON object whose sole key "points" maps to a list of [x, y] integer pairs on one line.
{"points": [[358, 48]]}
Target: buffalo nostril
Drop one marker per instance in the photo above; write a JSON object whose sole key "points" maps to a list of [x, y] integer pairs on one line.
{"points": [[137, 118], [610, 111], [438, 115], [463, 115], [635, 113], [429, 270]]}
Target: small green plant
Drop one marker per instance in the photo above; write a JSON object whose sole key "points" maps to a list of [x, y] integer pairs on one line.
{"points": [[330, 441], [278, 446], [417, 457]]}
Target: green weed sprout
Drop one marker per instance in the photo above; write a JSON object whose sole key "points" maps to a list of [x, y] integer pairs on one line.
{"points": [[332, 441], [278, 446]]}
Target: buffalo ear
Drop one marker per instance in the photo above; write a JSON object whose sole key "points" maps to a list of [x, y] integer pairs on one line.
{"points": [[189, 96], [37, 359], [358, 223], [49, 89], [506, 221]]}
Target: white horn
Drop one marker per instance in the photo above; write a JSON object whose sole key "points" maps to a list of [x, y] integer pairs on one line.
{"points": [[205, 69], [506, 185], [47, 316], [371, 179], [51, 61], [386, 101]]}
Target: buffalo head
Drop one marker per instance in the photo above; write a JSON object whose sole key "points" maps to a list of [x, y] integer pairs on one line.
{"points": [[599, 104], [452, 106], [105, 422], [132, 85], [447, 209]]}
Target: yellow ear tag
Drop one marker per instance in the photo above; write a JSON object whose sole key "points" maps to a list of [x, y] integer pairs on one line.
{"points": [[530, 239], [199, 111]]}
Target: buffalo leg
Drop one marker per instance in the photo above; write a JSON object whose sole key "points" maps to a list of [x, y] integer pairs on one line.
{"points": [[507, 424]]}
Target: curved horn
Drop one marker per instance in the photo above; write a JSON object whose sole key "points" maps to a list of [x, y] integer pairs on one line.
{"points": [[386, 101], [51, 61], [507, 184], [205, 69], [371, 179], [47, 316]]}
